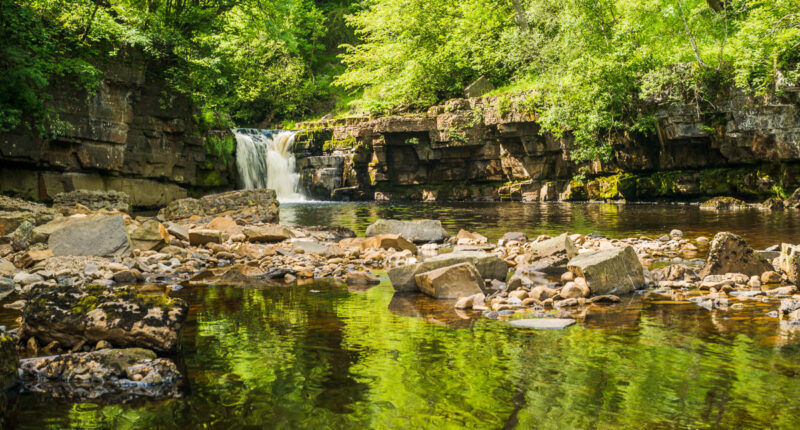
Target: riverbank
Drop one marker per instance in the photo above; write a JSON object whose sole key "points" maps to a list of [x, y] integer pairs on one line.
{"points": [[321, 289]]}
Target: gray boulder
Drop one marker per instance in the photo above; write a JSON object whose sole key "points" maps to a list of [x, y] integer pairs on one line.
{"points": [[451, 282], [490, 266], [103, 236], [423, 230], [729, 253], [610, 271]]}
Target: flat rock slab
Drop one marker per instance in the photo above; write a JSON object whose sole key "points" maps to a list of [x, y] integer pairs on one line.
{"points": [[543, 323], [418, 231], [103, 236]]}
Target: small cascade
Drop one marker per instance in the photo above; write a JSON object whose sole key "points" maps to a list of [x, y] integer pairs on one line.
{"points": [[264, 159]]}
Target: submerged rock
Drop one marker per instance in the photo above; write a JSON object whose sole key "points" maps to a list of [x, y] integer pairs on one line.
{"points": [[424, 230], [102, 236], [251, 206], [723, 203], [132, 372], [490, 266], [451, 282], [70, 315], [543, 323], [615, 270], [729, 253]]}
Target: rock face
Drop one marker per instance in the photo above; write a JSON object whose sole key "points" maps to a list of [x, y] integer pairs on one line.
{"points": [[490, 266], [790, 262], [250, 206], [729, 253], [135, 372], [94, 200], [122, 138], [419, 231], [125, 318], [611, 271], [103, 236], [451, 282], [491, 148]]}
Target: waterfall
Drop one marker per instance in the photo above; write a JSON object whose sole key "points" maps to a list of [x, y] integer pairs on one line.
{"points": [[264, 159]]}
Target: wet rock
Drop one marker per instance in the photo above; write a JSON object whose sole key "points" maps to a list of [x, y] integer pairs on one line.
{"points": [[128, 276], [616, 270], [676, 233], [730, 253], [99, 374], [675, 272], [94, 200], [250, 206], [268, 233], [790, 262], [418, 231], [772, 204], [723, 203], [204, 236], [150, 235], [702, 241], [470, 301], [360, 278], [782, 291], [122, 316], [451, 282], [99, 236], [6, 287], [388, 241], [543, 323], [490, 266], [9, 360]]}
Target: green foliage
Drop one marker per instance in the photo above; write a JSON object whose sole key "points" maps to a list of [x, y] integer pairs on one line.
{"points": [[332, 145], [220, 146], [594, 69]]}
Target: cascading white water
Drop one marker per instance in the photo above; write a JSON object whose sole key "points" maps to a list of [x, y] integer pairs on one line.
{"points": [[265, 160]]}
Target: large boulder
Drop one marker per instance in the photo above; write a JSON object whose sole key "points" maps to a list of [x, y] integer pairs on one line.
{"points": [[490, 266], [94, 200], [610, 271], [729, 253], [420, 231], [268, 233], [451, 282], [250, 206], [150, 235], [723, 203], [790, 262], [122, 316], [102, 236], [102, 373]]}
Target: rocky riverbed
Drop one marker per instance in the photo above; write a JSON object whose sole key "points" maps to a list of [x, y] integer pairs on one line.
{"points": [[96, 286]]}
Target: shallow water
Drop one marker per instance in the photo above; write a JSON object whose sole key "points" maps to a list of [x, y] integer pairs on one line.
{"points": [[323, 356], [492, 219]]}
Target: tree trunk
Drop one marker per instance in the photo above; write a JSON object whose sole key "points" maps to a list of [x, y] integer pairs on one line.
{"points": [[519, 16]]}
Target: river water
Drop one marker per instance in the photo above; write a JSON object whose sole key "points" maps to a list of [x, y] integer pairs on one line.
{"points": [[325, 356]]}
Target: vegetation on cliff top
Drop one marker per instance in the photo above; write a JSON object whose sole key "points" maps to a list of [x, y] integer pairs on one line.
{"points": [[596, 68]]}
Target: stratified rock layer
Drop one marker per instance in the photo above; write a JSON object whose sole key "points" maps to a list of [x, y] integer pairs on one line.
{"points": [[251, 206], [122, 316]]}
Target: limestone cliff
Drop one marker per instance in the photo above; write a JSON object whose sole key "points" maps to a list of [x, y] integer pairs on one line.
{"points": [[132, 134], [491, 148]]}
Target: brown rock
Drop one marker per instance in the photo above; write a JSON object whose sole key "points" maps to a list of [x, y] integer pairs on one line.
{"points": [[360, 278], [388, 241], [729, 253], [203, 236], [268, 233], [451, 282]]}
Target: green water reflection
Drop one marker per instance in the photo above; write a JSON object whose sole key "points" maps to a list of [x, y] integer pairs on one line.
{"points": [[319, 356]]}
